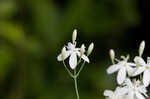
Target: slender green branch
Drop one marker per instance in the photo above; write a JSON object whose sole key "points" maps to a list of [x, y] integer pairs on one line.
{"points": [[79, 61], [71, 75], [76, 85], [80, 69]]}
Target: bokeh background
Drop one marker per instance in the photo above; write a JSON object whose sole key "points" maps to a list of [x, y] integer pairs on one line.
{"points": [[32, 33]]}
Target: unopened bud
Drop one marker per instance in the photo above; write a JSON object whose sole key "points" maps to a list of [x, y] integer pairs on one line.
{"points": [[148, 60], [112, 55], [74, 36], [141, 48], [90, 49], [63, 53], [82, 49]]}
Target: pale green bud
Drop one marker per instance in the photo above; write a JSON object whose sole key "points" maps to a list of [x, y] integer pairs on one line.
{"points": [[63, 53], [74, 36], [82, 49], [90, 49], [141, 48], [112, 55], [148, 60]]}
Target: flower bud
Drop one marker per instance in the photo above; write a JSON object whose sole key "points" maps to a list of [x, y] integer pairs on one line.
{"points": [[63, 52], [82, 50], [74, 36], [148, 60], [141, 48], [112, 55], [90, 49]]}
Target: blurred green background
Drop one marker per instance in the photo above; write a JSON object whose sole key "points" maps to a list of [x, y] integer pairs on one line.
{"points": [[32, 33]]}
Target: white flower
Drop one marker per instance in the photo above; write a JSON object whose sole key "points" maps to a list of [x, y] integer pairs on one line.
{"points": [[119, 93], [73, 52], [143, 67], [135, 90], [123, 67]]}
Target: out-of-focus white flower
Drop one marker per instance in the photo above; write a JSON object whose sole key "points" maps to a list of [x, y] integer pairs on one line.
{"points": [[74, 36], [143, 67], [73, 52], [141, 48], [135, 90], [119, 93], [123, 67], [90, 49]]}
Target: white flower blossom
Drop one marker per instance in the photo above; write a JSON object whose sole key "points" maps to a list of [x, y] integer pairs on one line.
{"points": [[143, 67], [135, 90], [123, 67], [73, 52]]}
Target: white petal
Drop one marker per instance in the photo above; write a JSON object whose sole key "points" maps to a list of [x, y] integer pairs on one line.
{"points": [[59, 57], [130, 95], [108, 93], [73, 60], [139, 96], [131, 64], [70, 46], [138, 71], [121, 75], [121, 91], [66, 55], [113, 68], [78, 53], [146, 78], [130, 70], [140, 61], [84, 57]]}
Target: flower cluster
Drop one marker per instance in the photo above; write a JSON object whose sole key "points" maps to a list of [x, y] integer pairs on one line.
{"points": [[132, 77], [72, 51]]}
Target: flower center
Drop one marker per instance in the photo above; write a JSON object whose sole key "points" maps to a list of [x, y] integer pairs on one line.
{"points": [[148, 67]]}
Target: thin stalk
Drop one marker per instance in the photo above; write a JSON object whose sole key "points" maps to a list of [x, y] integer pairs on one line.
{"points": [[76, 85], [80, 69], [71, 75]]}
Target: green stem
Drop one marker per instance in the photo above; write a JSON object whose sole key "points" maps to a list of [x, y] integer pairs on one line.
{"points": [[80, 69], [76, 85], [71, 75]]}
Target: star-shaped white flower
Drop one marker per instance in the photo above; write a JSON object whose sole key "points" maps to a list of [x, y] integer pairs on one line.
{"points": [[123, 67], [119, 93], [143, 67], [73, 52], [135, 90]]}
